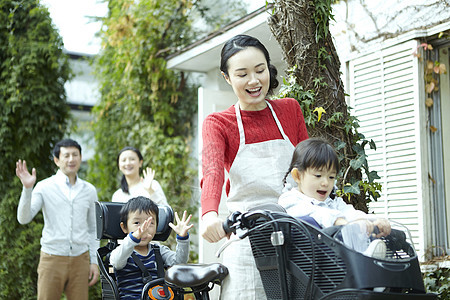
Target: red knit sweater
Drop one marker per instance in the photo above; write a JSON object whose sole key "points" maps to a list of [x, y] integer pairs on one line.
{"points": [[220, 135]]}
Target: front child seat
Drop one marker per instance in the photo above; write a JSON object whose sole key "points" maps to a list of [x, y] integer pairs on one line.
{"points": [[108, 227]]}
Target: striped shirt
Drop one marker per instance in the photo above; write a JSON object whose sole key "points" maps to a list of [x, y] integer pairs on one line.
{"points": [[129, 275], [130, 278]]}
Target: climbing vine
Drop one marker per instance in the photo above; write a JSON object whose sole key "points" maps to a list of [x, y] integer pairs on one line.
{"points": [[314, 80], [432, 71]]}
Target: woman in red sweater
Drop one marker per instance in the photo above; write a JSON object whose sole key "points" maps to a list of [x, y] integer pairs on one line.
{"points": [[253, 140]]}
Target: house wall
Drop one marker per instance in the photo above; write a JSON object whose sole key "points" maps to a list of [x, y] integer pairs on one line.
{"points": [[375, 41], [385, 98]]}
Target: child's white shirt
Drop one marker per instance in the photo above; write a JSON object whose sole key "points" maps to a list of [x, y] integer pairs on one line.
{"points": [[325, 212]]}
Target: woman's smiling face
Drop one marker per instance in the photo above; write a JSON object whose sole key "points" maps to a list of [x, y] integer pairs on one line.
{"points": [[129, 163], [248, 75]]}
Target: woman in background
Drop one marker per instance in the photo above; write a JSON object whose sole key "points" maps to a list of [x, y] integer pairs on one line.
{"points": [[129, 162]]}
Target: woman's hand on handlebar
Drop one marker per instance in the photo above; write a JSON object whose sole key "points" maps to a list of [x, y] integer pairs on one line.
{"points": [[212, 228]]}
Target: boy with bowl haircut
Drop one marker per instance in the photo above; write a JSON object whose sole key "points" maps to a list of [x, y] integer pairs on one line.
{"points": [[139, 220]]}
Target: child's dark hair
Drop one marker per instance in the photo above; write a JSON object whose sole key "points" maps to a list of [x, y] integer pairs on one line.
{"points": [[123, 181], [313, 153], [65, 143], [139, 204]]}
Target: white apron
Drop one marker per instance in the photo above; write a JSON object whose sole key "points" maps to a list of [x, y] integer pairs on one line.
{"points": [[256, 177]]}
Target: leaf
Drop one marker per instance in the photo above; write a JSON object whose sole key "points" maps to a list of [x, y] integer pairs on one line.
{"points": [[433, 129], [372, 176], [436, 69], [358, 149], [352, 189], [442, 69], [429, 102], [339, 145], [358, 162], [364, 143], [429, 87], [319, 111], [424, 45]]}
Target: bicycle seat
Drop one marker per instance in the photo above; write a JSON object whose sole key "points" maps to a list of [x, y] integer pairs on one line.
{"points": [[193, 275]]}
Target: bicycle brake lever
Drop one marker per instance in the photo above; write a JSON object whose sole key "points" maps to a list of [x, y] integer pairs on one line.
{"points": [[233, 238]]}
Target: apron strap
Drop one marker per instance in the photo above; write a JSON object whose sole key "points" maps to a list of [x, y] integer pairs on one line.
{"points": [[280, 128], [241, 127]]}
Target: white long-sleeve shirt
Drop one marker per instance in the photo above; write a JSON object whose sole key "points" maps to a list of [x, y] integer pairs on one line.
{"points": [[325, 212], [69, 215], [138, 190]]}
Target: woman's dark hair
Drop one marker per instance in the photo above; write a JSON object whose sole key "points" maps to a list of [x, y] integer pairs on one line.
{"points": [[139, 204], [241, 42], [313, 153], [65, 143], [123, 181]]}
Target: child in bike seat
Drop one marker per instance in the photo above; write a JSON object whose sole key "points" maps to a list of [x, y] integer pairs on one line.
{"points": [[135, 261], [314, 167]]}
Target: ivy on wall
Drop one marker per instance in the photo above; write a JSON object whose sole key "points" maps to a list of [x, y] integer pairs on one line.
{"points": [[34, 115]]}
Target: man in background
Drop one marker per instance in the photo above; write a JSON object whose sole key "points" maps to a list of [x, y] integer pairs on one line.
{"points": [[68, 243]]}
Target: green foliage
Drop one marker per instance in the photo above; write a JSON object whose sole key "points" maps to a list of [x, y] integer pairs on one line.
{"points": [[290, 88], [348, 186], [34, 114], [322, 15], [322, 56], [333, 119], [438, 281], [143, 104]]}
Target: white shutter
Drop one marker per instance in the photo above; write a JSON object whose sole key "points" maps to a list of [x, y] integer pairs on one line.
{"points": [[384, 97]]}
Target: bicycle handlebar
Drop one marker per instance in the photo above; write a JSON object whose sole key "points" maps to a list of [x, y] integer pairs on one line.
{"points": [[231, 222]]}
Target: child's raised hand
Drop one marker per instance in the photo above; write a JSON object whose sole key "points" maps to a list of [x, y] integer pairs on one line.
{"points": [[183, 225], [143, 229]]}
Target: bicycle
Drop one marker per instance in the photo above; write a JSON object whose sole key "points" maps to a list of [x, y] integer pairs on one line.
{"points": [[297, 260]]}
